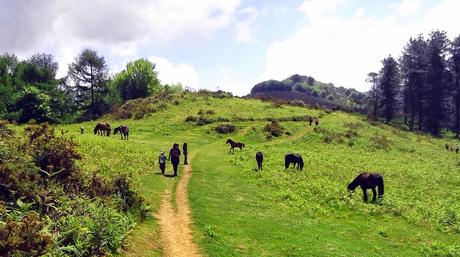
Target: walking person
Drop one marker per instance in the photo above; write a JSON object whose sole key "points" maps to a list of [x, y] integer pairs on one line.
{"points": [[310, 120], [162, 161], [185, 152], [174, 155]]}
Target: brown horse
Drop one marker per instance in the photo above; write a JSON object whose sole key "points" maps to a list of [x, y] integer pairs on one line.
{"points": [[234, 144], [368, 181], [102, 129], [293, 158], [124, 131]]}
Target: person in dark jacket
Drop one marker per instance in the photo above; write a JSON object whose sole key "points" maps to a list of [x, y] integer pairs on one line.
{"points": [[162, 161], [174, 156], [310, 120], [185, 152]]}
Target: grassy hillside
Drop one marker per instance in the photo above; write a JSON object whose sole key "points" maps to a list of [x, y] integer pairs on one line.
{"points": [[238, 211]]}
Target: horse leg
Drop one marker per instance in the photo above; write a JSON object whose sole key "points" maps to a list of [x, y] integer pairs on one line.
{"points": [[364, 194], [374, 194]]}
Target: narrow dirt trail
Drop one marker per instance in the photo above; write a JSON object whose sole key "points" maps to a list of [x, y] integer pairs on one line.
{"points": [[175, 230]]}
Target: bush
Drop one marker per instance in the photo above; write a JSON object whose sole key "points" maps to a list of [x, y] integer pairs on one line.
{"points": [[274, 129], [225, 129], [381, 142], [204, 121], [191, 119]]}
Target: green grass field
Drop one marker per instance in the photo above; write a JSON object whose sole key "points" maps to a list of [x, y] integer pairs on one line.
{"points": [[238, 211]]}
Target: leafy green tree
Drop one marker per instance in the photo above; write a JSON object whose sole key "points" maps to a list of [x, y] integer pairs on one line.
{"points": [[173, 88], [7, 93], [33, 104], [89, 73], [139, 79]]}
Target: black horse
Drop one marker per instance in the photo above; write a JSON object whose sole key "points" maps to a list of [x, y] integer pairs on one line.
{"points": [[124, 131], [293, 158], [447, 146], [102, 129], [234, 144], [368, 181], [259, 159]]}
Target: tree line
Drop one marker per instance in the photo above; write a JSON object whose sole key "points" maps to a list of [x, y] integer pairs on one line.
{"points": [[29, 89], [422, 86]]}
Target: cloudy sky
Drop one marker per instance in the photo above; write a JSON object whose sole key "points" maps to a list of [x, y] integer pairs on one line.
{"points": [[227, 44]]}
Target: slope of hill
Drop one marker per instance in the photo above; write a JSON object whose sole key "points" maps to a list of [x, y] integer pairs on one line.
{"points": [[312, 92], [237, 211]]}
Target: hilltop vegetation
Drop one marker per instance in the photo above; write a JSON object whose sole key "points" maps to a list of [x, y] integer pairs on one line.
{"points": [[312, 92]]}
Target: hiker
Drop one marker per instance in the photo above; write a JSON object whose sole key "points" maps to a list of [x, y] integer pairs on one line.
{"points": [[310, 120], [185, 152], [162, 161], [82, 130], [316, 121], [174, 155]]}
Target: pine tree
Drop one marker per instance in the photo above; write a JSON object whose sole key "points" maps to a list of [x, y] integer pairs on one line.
{"points": [[389, 86], [455, 69]]}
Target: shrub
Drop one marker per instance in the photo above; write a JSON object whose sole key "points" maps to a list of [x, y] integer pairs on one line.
{"points": [[274, 129], [225, 128], [204, 121], [191, 119], [381, 142]]}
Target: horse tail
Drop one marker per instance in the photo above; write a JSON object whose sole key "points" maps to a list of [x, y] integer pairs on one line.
{"points": [[381, 188]]}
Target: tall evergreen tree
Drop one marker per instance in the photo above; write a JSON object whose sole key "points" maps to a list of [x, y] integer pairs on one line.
{"points": [[389, 86], [437, 83], [374, 93], [89, 72], [455, 69], [414, 68]]}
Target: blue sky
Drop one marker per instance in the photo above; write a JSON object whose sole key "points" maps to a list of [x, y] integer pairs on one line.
{"points": [[227, 44]]}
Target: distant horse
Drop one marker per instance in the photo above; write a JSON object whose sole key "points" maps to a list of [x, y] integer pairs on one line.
{"points": [[447, 147], [102, 129], [234, 144], [124, 131], [82, 130], [457, 148], [293, 158], [259, 159], [368, 181]]}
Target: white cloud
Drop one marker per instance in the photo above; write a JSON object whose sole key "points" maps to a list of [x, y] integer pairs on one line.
{"points": [[406, 7], [169, 72], [316, 8], [244, 25], [116, 27], [343, 51]]}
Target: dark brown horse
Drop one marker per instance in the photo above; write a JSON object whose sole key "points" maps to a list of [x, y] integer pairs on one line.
{"points": [[259, 159], [124, 132], [368, 181], [234, 144], [293, 158], [102, 129]]}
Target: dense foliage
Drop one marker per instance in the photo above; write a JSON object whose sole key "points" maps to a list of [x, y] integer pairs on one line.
{"points": [[423, 86], [47, 205]]}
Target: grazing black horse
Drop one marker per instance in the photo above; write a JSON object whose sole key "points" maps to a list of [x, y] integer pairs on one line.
{"points": [[234, 144], [368, 181], [259, 159], [293, 158], [124, 131], [102, 129]]}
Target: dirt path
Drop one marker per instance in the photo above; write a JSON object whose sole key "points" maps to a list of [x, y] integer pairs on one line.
{"points": [[175, 228]]}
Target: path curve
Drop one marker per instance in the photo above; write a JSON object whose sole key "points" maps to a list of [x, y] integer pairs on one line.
{"points": [[175, 230]]}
